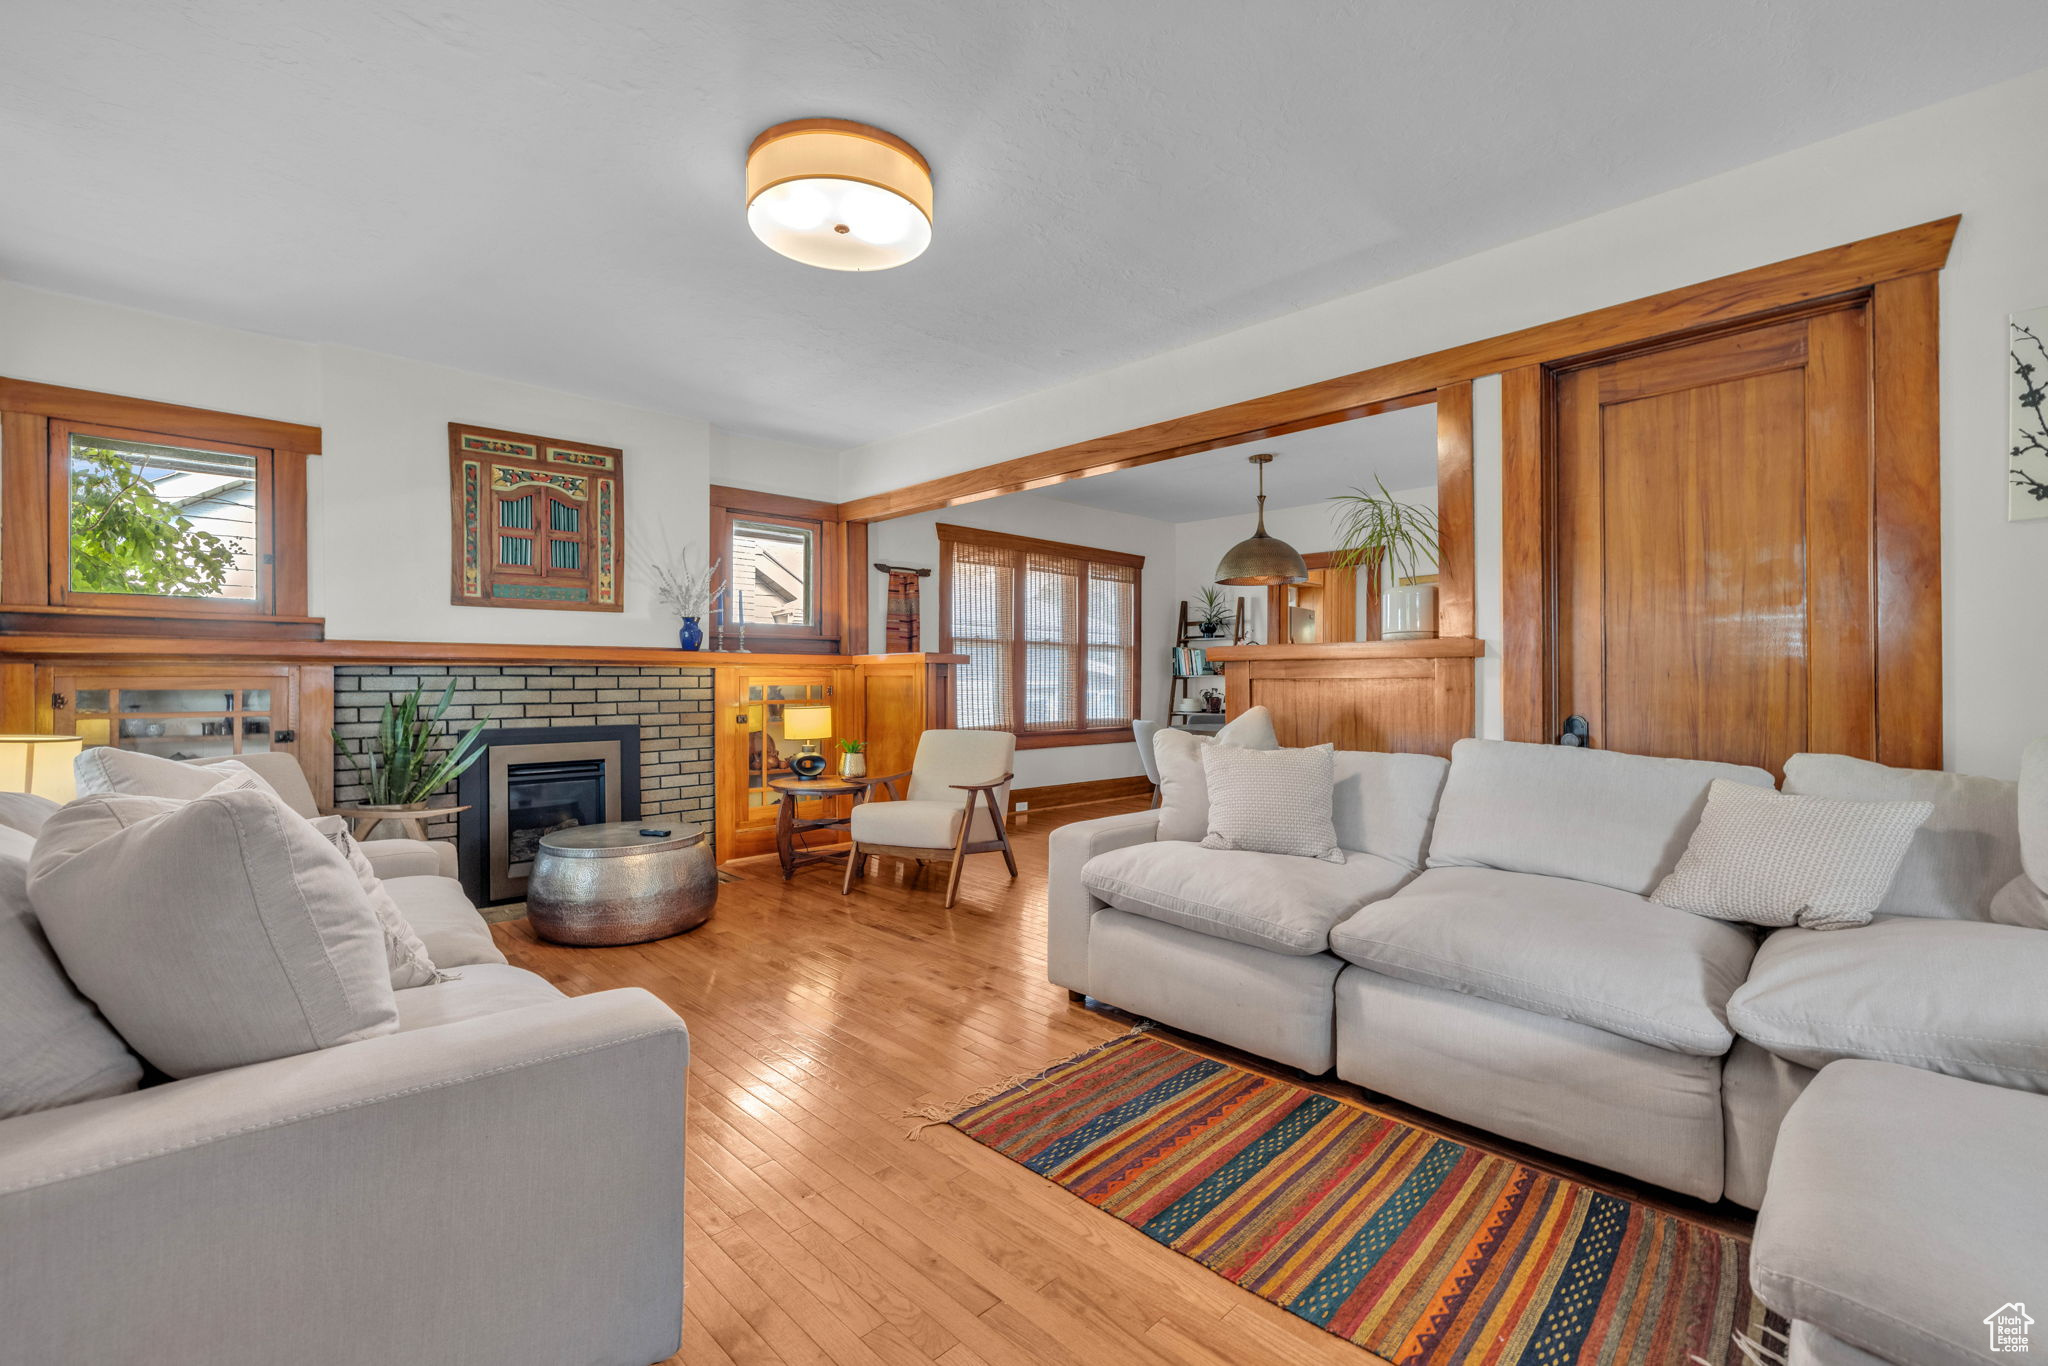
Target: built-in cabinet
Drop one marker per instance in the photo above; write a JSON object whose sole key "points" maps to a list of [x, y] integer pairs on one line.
{"points": [[185, 711]]}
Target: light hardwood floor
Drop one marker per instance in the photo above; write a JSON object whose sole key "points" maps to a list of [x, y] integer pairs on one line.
{"points": [[819, 1232]]}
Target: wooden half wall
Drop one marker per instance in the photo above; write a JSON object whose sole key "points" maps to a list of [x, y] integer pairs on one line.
{"points": [[1414, 696]]}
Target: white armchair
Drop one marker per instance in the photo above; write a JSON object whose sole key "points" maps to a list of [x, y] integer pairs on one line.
{"points": [[959, 785]]}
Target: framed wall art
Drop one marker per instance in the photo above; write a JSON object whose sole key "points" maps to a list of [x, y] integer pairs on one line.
{"points": [[537, 521], [2027, 456]]}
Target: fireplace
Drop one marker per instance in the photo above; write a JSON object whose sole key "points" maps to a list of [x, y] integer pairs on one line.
{"points": [[532, 781]]}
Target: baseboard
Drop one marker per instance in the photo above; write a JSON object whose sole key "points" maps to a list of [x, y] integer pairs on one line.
{"points": [[1073, 794]]}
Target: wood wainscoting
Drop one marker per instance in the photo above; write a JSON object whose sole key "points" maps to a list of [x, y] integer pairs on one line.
{"points": [[1413, 696]]}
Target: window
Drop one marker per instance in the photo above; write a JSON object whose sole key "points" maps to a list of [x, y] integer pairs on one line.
{"points": [[537, 521], [780, 561], [155, 516], [1050, 632], [132, 511]]}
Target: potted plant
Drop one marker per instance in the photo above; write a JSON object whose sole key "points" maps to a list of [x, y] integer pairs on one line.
{"points": [[1215, 613], [1376, 532], [687, 592], [853, 759], [402, 764]]}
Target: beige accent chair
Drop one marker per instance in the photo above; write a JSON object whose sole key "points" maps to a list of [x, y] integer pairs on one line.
{"points": [[959, 785]]}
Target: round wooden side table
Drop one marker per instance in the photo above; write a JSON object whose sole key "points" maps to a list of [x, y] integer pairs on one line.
{"points": [[622, 883], [788, 827]]}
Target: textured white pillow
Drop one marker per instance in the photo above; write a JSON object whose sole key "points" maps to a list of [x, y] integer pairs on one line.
{"points": [[1272, 801], [1769, 858], [1183, 791], [411, 966], [106, 769], [211, 933]]}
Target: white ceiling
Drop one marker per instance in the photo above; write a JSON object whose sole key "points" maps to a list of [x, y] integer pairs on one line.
{"points": [[551, 192], [1308, 467]]}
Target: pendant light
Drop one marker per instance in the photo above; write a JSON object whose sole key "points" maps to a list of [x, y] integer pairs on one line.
{"points": [[839, 195], [1261, 558]]}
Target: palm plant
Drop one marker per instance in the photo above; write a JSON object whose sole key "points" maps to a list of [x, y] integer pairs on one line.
{"points": [[402, 765], [1376, 530], [1215, 612]]}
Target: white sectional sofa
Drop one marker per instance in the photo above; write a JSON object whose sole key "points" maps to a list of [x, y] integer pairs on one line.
{"points": [[1488, 952], [499, 1181]]}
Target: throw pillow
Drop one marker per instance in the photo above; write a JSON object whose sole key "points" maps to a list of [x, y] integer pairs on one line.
{"points": [[106, 769], [2024, 900], [1183, 790], [1271, 801], [55, 1050], [211, 933], [410, 964], [1769, 858]]}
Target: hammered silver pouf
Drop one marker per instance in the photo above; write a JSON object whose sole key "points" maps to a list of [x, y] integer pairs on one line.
{"points": [[615, 884]]}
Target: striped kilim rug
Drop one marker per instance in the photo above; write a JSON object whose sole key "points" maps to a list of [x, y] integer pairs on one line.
{"points": [[1418, 1248]]}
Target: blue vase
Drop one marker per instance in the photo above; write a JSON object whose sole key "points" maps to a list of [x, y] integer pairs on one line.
{"points": [[692, 635]]}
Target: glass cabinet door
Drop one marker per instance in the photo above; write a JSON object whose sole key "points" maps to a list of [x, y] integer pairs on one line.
{"points": [[175, 718], [769, 748]]}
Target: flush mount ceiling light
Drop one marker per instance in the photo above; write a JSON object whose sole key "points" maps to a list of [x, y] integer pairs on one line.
{"points": [[1261, 558], [841, 195]]}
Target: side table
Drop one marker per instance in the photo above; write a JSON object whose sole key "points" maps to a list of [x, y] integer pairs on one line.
{"points": [[363, 819], [788, 827]]}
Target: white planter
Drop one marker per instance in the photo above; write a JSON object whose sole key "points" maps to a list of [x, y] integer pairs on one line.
{"points": [[1408, 612]]}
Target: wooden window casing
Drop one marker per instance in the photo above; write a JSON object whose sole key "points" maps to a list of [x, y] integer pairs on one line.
{"points": [[36, 423], [1039, 621], [825, 619]]}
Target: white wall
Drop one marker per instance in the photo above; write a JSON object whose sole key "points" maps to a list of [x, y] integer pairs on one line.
{"points": [[1968, 155], [769, 466], [1308, 528], [914, 542], [377, 499]]}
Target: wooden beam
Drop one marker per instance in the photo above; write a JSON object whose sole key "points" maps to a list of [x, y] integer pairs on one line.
{"points": [[1816, 275], [1455, 543], [1906, 408], [1525, 579]]}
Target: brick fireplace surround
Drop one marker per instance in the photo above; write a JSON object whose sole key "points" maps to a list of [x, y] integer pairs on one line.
{"points": [[672, 708]]}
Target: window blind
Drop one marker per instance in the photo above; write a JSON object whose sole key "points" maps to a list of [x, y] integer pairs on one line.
{"points": [[1050, 632]]}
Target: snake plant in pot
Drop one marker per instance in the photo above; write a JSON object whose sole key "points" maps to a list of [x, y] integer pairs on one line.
{"points": [[405, 763], [1376, 532]]}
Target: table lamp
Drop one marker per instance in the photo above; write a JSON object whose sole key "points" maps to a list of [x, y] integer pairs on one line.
{"points": [[40, 764], [810, 725]]}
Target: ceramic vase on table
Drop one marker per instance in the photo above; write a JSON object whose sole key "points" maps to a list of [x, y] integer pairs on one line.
{"points": [[691, 637]]}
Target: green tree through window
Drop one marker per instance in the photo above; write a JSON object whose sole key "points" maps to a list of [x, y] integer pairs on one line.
{"points": [[127, 538]]}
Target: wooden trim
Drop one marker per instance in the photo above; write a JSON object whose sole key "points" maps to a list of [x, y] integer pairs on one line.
{"points": [[101, 621], [18, 698], [1455, 540], [1526, 609], [57, 547], [315, 723], [1906, 410], [772, 504], [116, 410], [853, 578], [288, 573], [24, 507], [1061, 739], [187, 646], [948, 531], [1442, 647], [1836, 270], [836, 572], [1074, 794]]}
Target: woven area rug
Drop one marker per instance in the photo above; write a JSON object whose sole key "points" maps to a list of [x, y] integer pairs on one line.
{"points": [[1418, 1248]]}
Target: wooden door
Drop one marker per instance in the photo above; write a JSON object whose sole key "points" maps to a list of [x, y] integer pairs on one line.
{"points": [[1715, 593]]}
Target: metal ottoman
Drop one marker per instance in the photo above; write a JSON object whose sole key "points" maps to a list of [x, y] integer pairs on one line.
{"points": [[622, 883]]}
